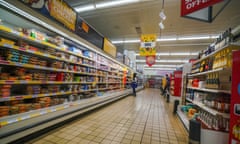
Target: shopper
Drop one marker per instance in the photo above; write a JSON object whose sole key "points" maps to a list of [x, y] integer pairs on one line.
{"points": [[167, 84], [134, 85]]}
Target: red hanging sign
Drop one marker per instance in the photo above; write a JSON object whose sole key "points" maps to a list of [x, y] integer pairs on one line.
{"points": [[150, 60], [190, 6]]}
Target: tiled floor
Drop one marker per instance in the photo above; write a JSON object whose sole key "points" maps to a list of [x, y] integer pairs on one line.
{"points": [[145, 119]]}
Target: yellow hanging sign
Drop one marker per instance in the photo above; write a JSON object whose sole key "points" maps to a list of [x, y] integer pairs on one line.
{"points": [[148, 45]]}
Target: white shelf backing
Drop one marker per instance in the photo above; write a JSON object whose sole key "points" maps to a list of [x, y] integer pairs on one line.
{"points": [[211, 90]]}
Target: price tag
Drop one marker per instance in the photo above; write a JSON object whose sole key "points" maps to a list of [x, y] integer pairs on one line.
{"points": [[23, 81], [18, 97], [8, 45], [12, 121], [66, 106], [21, 48], [35, 96], [19, 119], [4, 99], [9, 82], [3, 123], [53, 110], [34, 115], [43, 112], [25, 117], [15, 32]]}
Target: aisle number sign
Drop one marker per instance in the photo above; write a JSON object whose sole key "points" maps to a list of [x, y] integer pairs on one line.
{"points": [[148, 45]]}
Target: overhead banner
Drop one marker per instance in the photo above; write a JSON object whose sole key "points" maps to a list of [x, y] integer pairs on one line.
{"points": [[58, 10], [148, 45], [150, 60], [88, 33], [109, 48], [63, 13], [190, 6]]}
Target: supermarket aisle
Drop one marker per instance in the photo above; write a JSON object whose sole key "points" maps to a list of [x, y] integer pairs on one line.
{"points": [[144, 119]]}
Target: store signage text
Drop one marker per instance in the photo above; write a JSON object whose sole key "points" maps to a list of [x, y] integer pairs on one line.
{"points": [[190, 6], [63, 13]]}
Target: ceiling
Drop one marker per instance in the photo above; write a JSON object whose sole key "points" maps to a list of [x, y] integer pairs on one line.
{"points": [[120, 22]]}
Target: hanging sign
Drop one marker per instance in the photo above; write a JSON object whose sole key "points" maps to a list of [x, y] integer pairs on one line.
{"points": [[190, 6], [148, 45], [150, 60]]}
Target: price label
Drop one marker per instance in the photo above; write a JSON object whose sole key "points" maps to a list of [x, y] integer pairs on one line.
{"points": [[25, 117], [46, 55], [35, 96], [23, 81], [15, 32], [3, 123], [9, 82], [43, 112], [8, 45], [4, 99], [12, 121], [34, 115], [21, 48], [18, 97], [53, 110]]}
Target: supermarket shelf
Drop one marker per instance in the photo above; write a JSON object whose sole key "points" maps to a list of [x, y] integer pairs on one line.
{"points": [[211, 90], [210, 110], [213, 53], [21, 97], [21, 35], [207, 72], [41, 54], [183, 118], [40, 82], [10, 63], [188, 99]]}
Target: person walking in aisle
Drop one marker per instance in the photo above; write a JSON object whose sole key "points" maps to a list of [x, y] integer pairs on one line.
{"points": [[167, 85], [134, 85]]}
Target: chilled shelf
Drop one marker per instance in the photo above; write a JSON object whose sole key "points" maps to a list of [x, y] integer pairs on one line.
{"points": [[42, 54], [10, 63], [211, 90], [40, 82], [30, 96], [21, 35]]}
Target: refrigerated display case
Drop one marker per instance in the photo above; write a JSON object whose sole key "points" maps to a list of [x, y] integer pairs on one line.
{"points": [[48, 74]]}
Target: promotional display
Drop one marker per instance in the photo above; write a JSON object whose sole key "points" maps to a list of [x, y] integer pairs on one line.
{"points": [[109, 48], [176, 83], [55, 9], [148, 45], [234, 132], [190, 6], [150, 60]]}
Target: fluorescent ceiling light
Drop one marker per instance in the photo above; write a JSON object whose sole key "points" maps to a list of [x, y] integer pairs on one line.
{"points": [[169, 39], [173, 54], [194, 38], [159, 68], [114, 3], [85, 8], [126, 41], [104, 5], [166, 39], [162, 66], [166, 61]]}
